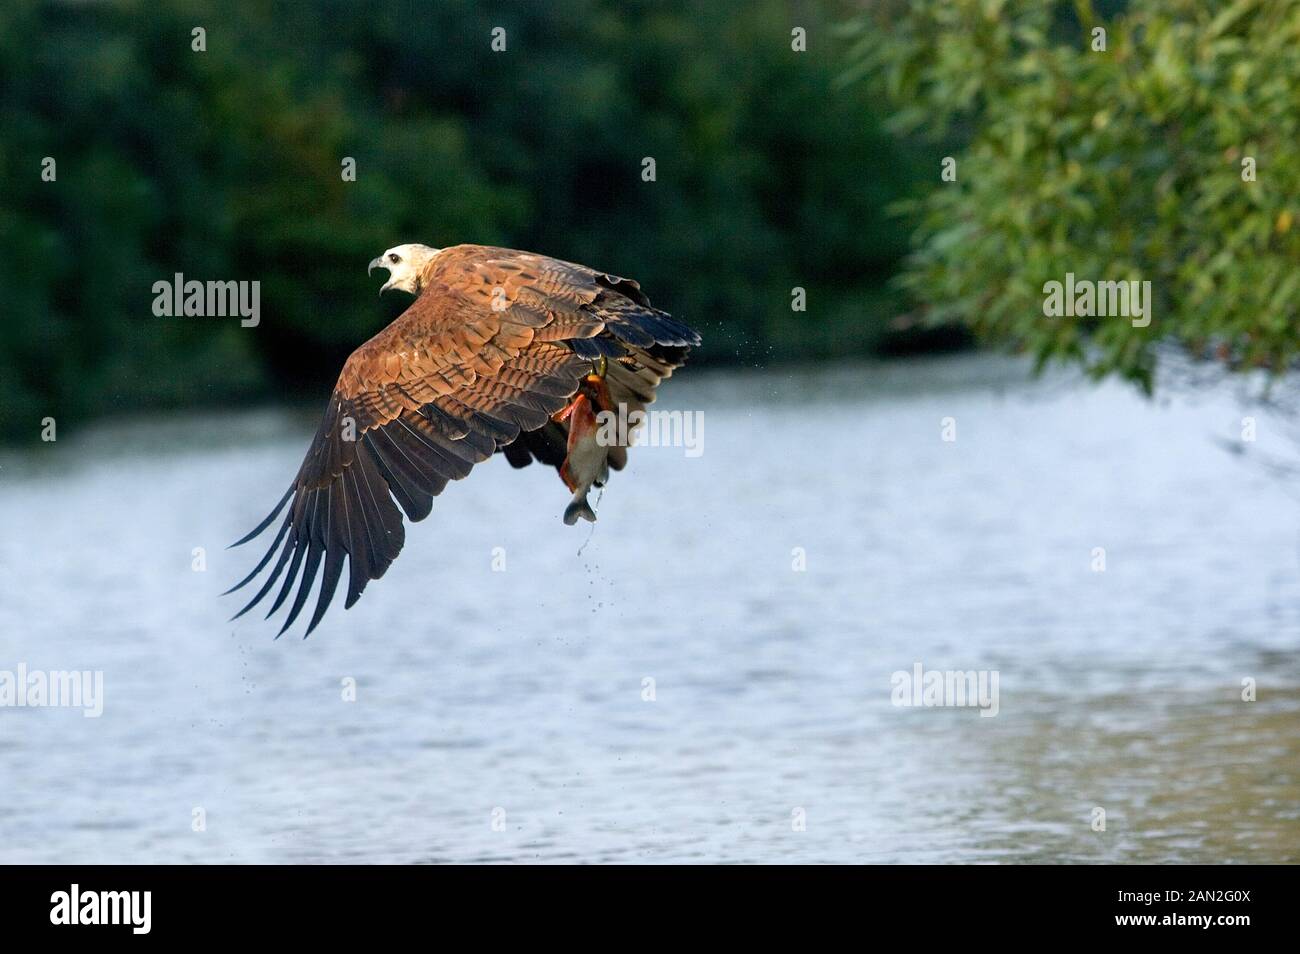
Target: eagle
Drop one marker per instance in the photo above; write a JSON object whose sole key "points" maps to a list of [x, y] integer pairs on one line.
{"points": [[501, 351]]}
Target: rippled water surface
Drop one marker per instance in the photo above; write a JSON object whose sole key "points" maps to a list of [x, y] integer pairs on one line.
{"points": [[519, 695]]}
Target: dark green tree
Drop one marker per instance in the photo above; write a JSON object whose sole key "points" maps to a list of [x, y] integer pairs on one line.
{"points": [[226, 164]]}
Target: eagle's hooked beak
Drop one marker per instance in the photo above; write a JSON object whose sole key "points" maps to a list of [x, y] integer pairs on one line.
{"points": [[379, 263]]}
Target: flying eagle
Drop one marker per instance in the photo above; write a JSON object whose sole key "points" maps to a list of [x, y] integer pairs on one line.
{"points": [[501, 351]]}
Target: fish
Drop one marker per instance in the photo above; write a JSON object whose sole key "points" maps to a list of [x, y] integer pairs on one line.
{"points": [[586, 461]]}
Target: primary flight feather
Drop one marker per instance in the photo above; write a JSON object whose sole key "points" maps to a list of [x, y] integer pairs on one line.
{"points": [[501, 350]]}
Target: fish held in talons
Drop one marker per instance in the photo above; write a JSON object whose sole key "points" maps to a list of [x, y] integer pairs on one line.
{"points": [[586, 463]]}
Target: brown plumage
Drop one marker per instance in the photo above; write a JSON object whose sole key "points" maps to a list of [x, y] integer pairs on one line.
{"points": [[494, 346]]}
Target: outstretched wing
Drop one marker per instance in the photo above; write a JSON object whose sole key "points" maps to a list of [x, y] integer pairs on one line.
{"points": [[495, 344]]}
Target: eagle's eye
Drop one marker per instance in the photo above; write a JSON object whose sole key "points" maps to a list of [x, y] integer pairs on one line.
{"points": [[394, 258]]}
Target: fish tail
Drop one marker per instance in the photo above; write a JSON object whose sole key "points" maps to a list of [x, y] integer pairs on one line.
{"points": [[578, 507]]}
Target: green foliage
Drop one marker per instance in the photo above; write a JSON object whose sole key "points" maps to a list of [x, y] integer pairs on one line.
{"points": [[1122, 164], [225, 164]]}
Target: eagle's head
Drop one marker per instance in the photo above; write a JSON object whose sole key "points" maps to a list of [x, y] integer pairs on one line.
{"points": [[405, 264]]}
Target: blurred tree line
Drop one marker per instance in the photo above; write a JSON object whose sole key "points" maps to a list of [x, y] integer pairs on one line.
{"points": [[226, 164], [1169, 154]]}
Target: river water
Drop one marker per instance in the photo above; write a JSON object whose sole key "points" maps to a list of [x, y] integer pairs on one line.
{"points": [[706, 677]]}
